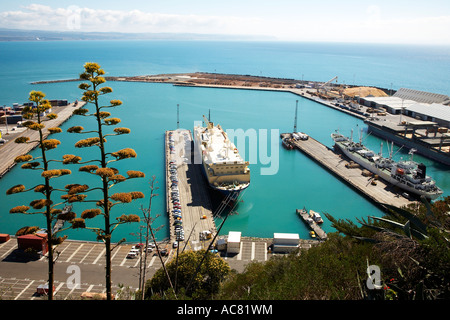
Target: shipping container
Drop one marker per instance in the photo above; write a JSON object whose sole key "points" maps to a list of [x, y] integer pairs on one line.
{"points": [[4, 237], [285, 242], [13, 119], [43, 289], [31, 241], [234, 242]]}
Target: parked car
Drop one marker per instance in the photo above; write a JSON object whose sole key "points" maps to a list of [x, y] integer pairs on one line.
{"points": [[137, 251], [132, 255]]}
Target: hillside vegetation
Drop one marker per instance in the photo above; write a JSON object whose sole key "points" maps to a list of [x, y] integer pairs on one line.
{"points": [[411, 251]]}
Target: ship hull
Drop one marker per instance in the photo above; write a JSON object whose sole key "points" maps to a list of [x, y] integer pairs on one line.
{"points": [[223, 168], [383, 173], [232, 194]]}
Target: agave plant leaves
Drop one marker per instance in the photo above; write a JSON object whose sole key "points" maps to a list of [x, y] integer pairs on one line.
{"points": [[411, 217], [405, 227], [391, 222], [366, 239]]}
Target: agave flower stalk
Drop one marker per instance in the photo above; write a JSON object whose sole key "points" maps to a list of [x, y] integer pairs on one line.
{"points": [[109, 177], [36, 121]]}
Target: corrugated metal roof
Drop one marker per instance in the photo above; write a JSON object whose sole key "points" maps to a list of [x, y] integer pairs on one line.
{"points": [[435, 110], [420, 96], [391, 102]]}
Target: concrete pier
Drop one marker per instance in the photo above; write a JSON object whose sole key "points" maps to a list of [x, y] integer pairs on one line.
{"points": [[193, 197], [380, 193], [311, 224]]}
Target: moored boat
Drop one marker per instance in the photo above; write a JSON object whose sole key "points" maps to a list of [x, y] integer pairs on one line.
{"points": [[287, 143], [223, 167], [315, 216], [405, 174]]}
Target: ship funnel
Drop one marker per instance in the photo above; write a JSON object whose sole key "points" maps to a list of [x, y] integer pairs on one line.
{"points": [[421, 171]]}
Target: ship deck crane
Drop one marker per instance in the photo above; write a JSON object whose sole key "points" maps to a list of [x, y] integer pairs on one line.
{"points": [[209, 124]]}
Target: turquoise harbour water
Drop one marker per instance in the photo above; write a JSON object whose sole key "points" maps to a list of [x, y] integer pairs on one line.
{"points": [[150, 109]]}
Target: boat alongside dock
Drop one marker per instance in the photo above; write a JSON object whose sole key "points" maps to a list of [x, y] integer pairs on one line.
{"points": [[380, 193], [312, 223]]}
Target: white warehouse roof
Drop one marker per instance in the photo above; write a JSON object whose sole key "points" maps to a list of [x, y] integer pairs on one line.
{"points": [[435, 110], [234, 236], [391, 102], [291, 236]]}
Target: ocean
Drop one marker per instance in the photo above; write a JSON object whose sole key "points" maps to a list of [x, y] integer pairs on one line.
{"points": [[149, 110]]}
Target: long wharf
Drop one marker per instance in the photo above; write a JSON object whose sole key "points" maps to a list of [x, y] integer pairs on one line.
{"points": [[379, 191], [187, 197]]}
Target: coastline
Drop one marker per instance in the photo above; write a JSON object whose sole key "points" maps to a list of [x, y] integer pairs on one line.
{"points": [[231, 81], [10, 150]]}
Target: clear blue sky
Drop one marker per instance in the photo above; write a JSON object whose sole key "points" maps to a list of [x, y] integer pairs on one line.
{"points": [[394, 21]]}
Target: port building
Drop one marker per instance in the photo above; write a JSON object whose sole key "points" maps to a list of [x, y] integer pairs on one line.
{"points": [[434, 112], [285, 242], [420, 105], [421, 96]]}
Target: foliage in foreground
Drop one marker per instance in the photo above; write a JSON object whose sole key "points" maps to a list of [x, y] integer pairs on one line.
{"points": [[411, 267], [327, 271], [190, 282]]}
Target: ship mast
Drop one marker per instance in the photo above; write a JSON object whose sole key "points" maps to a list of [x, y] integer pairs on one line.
{"points": [[295, 120], [392, 149], [178, 116]]}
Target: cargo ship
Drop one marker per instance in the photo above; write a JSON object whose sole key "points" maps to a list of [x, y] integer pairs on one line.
{"points": [[223, 167], [405, 174]]}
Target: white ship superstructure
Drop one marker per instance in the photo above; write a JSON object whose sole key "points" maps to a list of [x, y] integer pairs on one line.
{"points": [[408, 175], [223, 166]]}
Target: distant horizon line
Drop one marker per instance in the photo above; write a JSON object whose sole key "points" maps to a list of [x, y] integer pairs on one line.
{"points": [[23, 35]]}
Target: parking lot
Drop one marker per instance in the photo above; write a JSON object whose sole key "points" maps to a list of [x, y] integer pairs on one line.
{"points": [[19, 277]]}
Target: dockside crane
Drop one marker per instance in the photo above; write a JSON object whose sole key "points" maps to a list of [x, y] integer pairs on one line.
{"points": [[324, 86]]}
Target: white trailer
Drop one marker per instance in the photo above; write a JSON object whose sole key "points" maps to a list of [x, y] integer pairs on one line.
{"points": [[234, 242], [285, 242]]}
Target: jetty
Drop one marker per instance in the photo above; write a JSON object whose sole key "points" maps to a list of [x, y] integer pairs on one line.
{"points": [[187, 199], [10, 150], [378, 191], [312, 224]]}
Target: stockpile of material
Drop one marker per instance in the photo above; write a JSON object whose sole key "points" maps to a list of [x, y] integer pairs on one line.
{"points": [[364, 92]]}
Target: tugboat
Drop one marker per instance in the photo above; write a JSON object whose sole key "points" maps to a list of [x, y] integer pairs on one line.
{"points": [[287, 143]]}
